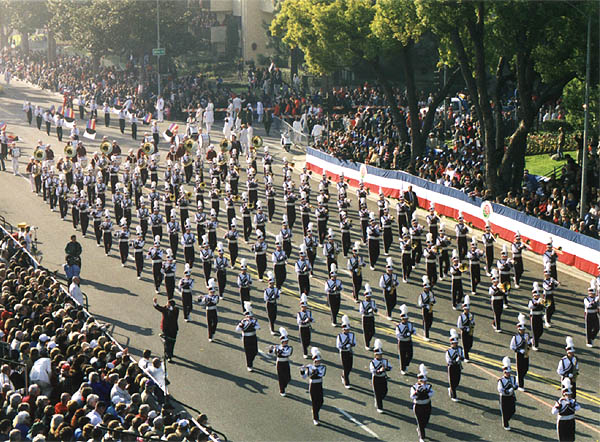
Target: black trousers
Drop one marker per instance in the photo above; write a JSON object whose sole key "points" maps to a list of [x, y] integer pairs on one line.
{"points": [[467, 339], [388, 237], [357, 280], [123, 251], [417, 253], [591, 326], [422, 414], [59, 133], [475, 277], [97, 231], [280, 275], [186, 300], [174, 244], [497, 308], [368, 326], [283, 375], [345, 243], [380, 388], [233, 252], [169, 345], [347, 359], [427, 321], [139, 262], [322, 230], [122, 125], [247, 228], [363, 225], [454, 371], [407, 265], [489, 258], [270, 208], [157, 274], [106, 119], [537, 328], [170, 285], [373, 251], [391, 300], [250, 349], [522, 368], [457, 292], [244, 296], [507, 408], [291, 214], [518, 269], [551, 307], [107, 237], [444, 263], [221, 281], [566, 430], [74, 215], [63, 207], [461, 244], [272, 314], [305, 339], [261, 265], [431, 268], [207, 268], [304, 284], [211, 322], [316, 397], [334, 306], [405, 350], [188, 254]]}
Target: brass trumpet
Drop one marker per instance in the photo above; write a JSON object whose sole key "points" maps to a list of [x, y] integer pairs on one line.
{"points": [[257, 141], [106, 148], [39, 154], [146, 147], [69, 151]]}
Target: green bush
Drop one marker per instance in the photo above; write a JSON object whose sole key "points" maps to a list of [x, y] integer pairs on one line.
{"points": [[554, 125]]}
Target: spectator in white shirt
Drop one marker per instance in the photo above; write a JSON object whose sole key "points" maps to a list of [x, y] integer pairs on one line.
{"points": [[96, 414], [75, 290], [119, 393]]}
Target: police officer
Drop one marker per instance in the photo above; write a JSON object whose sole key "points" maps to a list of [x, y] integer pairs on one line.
{"points": [[345, 342], [283, 352], [404, 332], [379, 368], [367, 309], [506, 389], [248, 327], [388, 283]]}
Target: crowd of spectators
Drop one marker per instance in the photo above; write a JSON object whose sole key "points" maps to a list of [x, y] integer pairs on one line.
{"points": [[63, 378]]}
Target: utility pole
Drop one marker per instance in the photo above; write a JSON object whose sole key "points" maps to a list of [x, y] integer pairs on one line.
{"points": [[158, 43], [586, 112]]}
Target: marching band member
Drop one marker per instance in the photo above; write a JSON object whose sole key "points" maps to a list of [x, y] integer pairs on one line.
{"points": [[168, 270], [568, 366], [303, 269], [379, 368], [207, 257], [416, 238], [565, 409], [344, 342], [97, 221], [286, 237], [373, 234], [229, 204], [345, 227], [406, 249], [210, 301], [488, 240], [244, 282], [304, 210], [211, 229], [548, 285], [550, 257], [454, 358], [291, 200], [260, 219], [155, 254], [431, 259], [246, 217], [315, 372], [426, 301], [333, 290], [505, 267], [355, 265], [123, 238], [157, 221], [185, 286], [388, 282], [443, 244], [367, 309], [279, 260], [283, 353], [260, 253], [363, 215], [138, 251], [466, 325], [331, 249], [536, 313], [173, 230], [232, 242], [506, 388], [386, 225], [107, 227], [403, 214], [143, 215], [520, 344], [74, 205], [200, 218], [591, 304], [457, 287], [271, 295], [311, 246], [83, 208], [404, 332], [461, 237], [187, 241], [322, 215], [248, 327], [304, 319], [421, 394], [474, 256], [221, 264], [497, 295], [433, 221], [517, 248]]}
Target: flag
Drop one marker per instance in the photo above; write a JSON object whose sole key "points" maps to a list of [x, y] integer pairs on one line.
{"points": [[118, 104], [147, 119], [69, 124], [90, 129], [69, 115], [172, 130], [59, 111]]}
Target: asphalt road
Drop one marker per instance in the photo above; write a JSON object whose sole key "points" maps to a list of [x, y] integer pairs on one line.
{"points": [[212, 377]]}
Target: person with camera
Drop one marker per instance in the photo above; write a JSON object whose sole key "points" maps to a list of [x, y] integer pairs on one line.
{"points": [[73, 259]]}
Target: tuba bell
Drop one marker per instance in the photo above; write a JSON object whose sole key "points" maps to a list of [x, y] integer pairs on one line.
{"points": [[189, 195], [106, 148], [39, 154], [257, 141], [189, 145], [69, 151], [225, 144], [146, 147]]}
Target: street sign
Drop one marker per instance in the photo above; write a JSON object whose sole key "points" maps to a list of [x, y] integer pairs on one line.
{"points": [[158, 51]]}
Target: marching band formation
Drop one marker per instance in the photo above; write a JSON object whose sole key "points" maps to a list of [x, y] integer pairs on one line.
{"points": [[196, 206]]}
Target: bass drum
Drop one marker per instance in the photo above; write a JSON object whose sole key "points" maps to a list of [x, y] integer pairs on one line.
{"points": [[204, 140]]}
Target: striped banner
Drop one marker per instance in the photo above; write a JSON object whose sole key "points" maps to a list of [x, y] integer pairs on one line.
{"points": [[580, 251]]}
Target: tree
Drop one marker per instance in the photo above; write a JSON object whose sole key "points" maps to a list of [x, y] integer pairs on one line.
{"points": [[25, 18]]}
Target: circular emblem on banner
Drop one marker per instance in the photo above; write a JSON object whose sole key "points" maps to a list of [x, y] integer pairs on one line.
{"points": [[363, 171], [486, 209]]}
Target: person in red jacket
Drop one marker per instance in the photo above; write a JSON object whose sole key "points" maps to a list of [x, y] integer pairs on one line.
{"points": [[168, 325]]}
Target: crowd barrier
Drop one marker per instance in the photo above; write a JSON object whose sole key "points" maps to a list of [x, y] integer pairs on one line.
{"points": [[36, 264], [580, 251]]}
